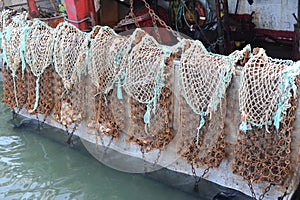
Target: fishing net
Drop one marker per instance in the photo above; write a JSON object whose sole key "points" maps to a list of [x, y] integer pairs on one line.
{"points": [[70, 97], [127, 87], [260, 89], [11, 46], [268, 102], [144, 71], [107, 51], [5, 17], [98, 52], [203, 105], [83, 64], [99, 114], [147, 84], [39, 40], [159, 133], [12, 39]]}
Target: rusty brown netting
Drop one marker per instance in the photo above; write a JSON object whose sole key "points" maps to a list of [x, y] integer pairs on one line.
{"points": [[210, 149], [14, 97], [202, 105], [101, 75], [46, 101], [263, 150], [159, 133], [69, 83], [265, 154], [38, 56]]}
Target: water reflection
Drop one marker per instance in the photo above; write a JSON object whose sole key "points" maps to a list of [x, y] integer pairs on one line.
{"points": [[39, 165]]}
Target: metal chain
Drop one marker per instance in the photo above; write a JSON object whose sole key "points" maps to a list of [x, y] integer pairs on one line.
{"points": [[157, 158], [143, 157], [212, 46], [251, 189], [155, 18], [70, 134], [262, 196], [133, 15], [130, 15], [284, 194], [108, 145], [197, 180]]}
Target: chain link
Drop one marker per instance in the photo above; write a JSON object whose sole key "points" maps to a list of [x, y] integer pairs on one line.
{"points": [[157, 158], [143, 157], [262, 196], [284, 194], [108, 145], [155, 18], [70, 134], [130, 15], [197, 180], [133, 15], [251, 189]]}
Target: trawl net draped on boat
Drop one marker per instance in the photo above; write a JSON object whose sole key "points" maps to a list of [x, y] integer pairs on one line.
{"points": [[269, 95], [14, 94], [149, 100], [265, 90], [67, 44], [204, 79], [38, 39]]}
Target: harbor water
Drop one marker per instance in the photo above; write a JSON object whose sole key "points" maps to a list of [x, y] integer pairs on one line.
{"points": [[38, 164]]}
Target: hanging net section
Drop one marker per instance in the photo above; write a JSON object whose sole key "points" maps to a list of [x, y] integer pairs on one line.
{"points": [[204, 79], [144, 71], [260, 90], [69, 100], [38, 56], [14, 95], [269, 96]]}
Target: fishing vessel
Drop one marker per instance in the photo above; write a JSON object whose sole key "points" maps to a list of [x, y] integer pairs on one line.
{"points": [[178, 110]]}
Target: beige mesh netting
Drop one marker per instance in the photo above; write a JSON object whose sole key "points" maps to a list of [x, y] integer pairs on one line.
{"points": [[100, 117], [160, 131], [268, 101], [98, 51], [11, 46], [12, 40], [144, 70], [264, 154], [69, 99], [203, 84], [5, 17], [38, 55], [127, 87], [260, 89]]}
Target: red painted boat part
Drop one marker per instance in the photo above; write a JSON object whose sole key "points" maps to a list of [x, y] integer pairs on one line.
{"points": [[81, 13]]}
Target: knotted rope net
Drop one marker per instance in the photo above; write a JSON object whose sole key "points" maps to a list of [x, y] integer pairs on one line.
{"points": [[69, 85], [204, 79], [14, 95], [268, 101], [128, 87], [38, 40], [102, 75], [260, 90]]}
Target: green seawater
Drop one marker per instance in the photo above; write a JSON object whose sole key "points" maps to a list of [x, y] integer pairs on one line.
{"points": [[38, 164]]}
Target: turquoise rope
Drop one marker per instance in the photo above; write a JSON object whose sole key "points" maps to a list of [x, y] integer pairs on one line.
{"points": [[23, 48], [202, 122], [287, 85], [37, 93]]}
